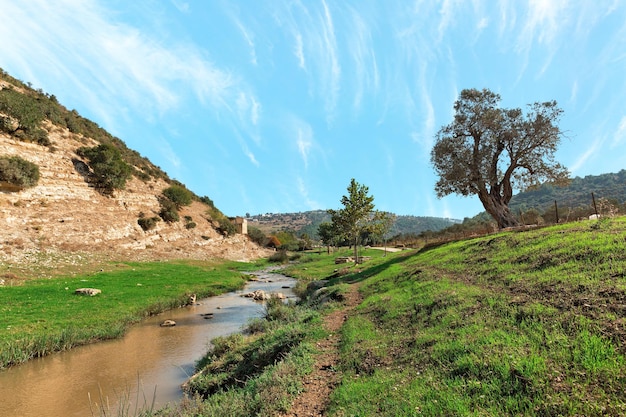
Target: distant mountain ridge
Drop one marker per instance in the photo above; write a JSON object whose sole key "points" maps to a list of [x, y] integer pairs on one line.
{"points": [[307, 223]]}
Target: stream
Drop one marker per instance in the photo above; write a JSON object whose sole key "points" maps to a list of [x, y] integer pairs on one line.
{"points": [[149, 363]]}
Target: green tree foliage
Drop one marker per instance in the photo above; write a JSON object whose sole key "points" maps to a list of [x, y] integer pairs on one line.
{"points": [[109, 169], [381, 226], [178, 195], [169, 211], [355, 216], [23, 114], [18, 172], [488, 151], [226, 227], [147, 223], [288, 241], [257, 236]]}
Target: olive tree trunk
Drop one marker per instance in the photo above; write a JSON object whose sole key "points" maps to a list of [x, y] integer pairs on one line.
{"points": [[499, 210]]}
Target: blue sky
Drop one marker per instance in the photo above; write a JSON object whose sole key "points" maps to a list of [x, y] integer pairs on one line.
{"points": [[273, 106]]}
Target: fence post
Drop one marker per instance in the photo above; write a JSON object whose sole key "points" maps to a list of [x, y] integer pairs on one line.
{"points": [[595, 208], [556, 211]]}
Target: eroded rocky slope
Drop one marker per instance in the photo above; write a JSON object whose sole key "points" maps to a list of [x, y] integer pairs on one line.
{"points": [[64, 217]]}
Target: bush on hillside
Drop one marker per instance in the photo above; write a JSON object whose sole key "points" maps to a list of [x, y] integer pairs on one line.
{"points": [[109, 169], [226, 227], [256, 235], [178, 195], [18, 172], [26, 113], [148, 223], [169, 211], [206, 200]]}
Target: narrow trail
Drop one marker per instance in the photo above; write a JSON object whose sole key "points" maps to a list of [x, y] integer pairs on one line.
{"points": [[318, 386]]}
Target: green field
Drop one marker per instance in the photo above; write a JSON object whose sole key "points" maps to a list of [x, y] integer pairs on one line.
{"points": [[45, 315], [528, 323]]}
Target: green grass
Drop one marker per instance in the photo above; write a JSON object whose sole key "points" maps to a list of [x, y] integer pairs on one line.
{"points": [[43, 316], [528, 323], [517, 323], [256, 374]]}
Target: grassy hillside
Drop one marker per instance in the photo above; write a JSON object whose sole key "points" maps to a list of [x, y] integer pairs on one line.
{"points": [[517, 323], [575, 200]]}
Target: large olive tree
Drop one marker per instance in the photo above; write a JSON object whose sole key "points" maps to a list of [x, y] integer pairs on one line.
{"points": [[490, 151]]}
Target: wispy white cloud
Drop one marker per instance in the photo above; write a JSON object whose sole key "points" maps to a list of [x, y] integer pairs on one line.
{"points": [[574, 92], [109, 63], [248, 36], [620, 135], [299, 51], [304, 193], [591, 150], [182, 6], [330, 44], [250, 155], [304, 141], [367, 79], [169, 154], [545, 20], [248, 109]]}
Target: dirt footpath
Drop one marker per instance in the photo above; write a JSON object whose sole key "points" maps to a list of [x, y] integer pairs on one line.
{"points": [[318, 386]]}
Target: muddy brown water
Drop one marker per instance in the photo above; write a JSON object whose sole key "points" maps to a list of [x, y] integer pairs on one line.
{"points": [[149, 363]]}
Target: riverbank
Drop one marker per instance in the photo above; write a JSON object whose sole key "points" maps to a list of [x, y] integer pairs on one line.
{"points": [[514, 323], [45, 316]]}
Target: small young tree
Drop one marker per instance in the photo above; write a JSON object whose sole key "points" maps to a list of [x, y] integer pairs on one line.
{"points": [[355, 216], [382, 223], [327, 234]]}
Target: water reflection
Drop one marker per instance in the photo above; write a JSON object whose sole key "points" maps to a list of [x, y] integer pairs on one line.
{"points": [[148, 356]]}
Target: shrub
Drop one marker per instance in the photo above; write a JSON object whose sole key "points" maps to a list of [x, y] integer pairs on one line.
{"points": [[226, 227], [190, 225], [178, 195], [206, 200], [273, 242], [109, 170], [18, 172], [256, 235], [148, 223], [26, 114], [169, 211], [280, 257]]}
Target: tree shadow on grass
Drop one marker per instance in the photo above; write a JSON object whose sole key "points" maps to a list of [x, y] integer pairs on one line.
{"points": [[368, 272]]}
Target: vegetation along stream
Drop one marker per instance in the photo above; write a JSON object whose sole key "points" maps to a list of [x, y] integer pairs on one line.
{"points": [[148, 364]]}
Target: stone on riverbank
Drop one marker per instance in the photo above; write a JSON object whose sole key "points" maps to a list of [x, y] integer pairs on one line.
{"points": [[87, 291]]}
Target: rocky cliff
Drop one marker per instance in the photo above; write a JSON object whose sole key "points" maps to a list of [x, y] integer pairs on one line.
{"points": [[64, 221]]}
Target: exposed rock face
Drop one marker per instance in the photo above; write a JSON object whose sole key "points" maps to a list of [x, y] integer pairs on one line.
{"points": [[87, 291], [260, 295], [64, 214]]}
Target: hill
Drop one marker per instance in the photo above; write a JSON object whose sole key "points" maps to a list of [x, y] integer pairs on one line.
{"points": [[66, 217], [576, 195], [309, 221]]}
